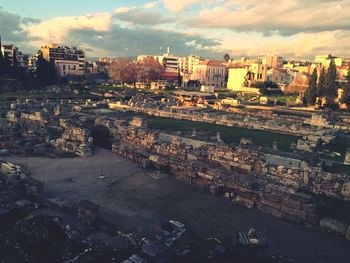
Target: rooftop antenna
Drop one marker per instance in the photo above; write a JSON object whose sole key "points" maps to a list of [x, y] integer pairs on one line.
{"points": [[168, 50], [51, 36], [161, 50]]}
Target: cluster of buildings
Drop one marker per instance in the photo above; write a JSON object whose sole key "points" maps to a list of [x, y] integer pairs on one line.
{"points": [[291, 76], [206, 75], [243, 74], [210, 74], [69, 61], [14, 55]]}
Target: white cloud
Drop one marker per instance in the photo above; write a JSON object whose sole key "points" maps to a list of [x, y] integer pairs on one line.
{"points": [[292, 28], [137, 16], [122, 10], [285, 17], [302, 45], [150, 5], [179, 5], [55, 30]]}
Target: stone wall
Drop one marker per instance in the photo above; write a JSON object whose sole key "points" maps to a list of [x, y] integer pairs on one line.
{"points": [[259, 120], [242, 173]]}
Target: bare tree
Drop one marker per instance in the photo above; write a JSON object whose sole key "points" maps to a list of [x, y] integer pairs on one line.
{"points": [[148, 70], [127, 71], [122, 70]]}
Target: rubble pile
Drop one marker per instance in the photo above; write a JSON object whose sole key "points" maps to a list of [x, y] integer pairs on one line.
{"points": [[75, 137], [75, 134], [30, 127], [42, 230]]}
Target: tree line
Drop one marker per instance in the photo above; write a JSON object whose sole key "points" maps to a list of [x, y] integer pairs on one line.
{"points": [[11, 70], [323, 85], [44, 75]]}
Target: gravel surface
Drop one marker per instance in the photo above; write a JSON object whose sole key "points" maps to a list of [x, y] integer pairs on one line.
{"points": [[134, 201]]}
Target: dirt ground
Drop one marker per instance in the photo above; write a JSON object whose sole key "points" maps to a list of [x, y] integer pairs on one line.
{"points": [[134, 201]]}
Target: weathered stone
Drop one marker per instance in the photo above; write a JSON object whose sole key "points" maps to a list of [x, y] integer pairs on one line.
{"points": [[334, 225], [345, 191], [348, 233]]}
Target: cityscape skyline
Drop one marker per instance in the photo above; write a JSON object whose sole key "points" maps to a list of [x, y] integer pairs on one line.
{"points": [[207, 28], [168, 131]]}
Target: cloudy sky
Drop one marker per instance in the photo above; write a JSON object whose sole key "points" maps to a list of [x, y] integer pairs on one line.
{"points": [[210, 28]]}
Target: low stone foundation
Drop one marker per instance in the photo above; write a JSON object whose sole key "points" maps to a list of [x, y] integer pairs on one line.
{"points": [[241, 173]]}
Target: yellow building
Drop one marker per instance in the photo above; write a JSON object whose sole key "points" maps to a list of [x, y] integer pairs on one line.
{"points": [[326, 60], [241, 78]]}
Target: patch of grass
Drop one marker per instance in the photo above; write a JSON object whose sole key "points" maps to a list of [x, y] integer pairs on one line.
{"points": [[228, 134], [283, 98]]}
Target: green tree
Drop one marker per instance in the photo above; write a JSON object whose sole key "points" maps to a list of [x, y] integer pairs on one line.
{"points": [[227, 57], [347, 85], [179, 78], [46, 71], [330, 81], [321, 84], [311, 92], [7, 65]]}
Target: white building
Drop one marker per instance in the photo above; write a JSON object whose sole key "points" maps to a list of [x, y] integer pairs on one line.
{"points": [[170, 62], [187, 64], [68, 68], [72, 56], [272, 61], [325, 60], [210, 73]]}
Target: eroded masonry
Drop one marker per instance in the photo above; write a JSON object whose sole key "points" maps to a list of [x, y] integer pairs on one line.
{"points": [[293, 186]]}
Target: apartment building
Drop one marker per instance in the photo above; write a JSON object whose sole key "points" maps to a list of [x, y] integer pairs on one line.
{"points": [[186, 64], [68, 68], [33, 62], [171, 63], [272, 61], [65, 57]]}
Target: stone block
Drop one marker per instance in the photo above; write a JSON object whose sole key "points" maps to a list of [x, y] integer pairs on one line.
{"points": [[345, 191], [334, 225], [347, 236]]}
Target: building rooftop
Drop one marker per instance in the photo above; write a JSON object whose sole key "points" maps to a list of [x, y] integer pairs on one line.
{"points": [[212, 63]]}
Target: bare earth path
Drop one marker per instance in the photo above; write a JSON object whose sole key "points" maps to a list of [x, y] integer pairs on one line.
{"points": [[134, 201]]}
